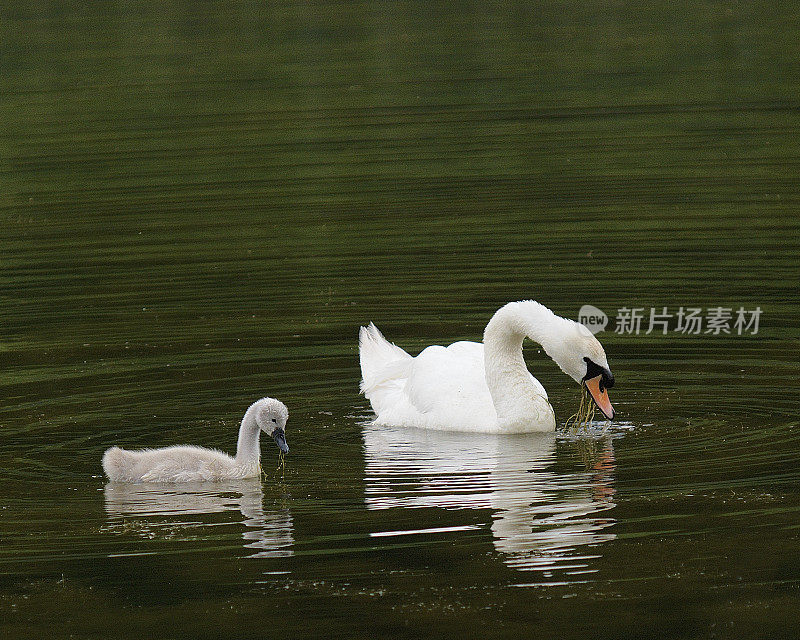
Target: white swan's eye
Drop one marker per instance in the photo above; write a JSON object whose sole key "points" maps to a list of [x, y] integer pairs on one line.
{"points": [[274, 420]]}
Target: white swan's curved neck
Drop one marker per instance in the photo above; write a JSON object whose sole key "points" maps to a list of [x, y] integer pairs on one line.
{"points": [[517, 399], [248, 450]]}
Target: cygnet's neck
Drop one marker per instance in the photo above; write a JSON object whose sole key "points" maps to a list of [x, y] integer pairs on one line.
{"points": [[248, 450], [516, 398]]}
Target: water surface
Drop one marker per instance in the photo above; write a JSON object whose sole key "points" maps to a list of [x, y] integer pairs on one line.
{"points": [[201, 204]]}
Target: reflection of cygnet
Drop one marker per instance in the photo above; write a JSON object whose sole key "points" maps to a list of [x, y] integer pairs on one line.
{"points": [[190, 463], [270, 533], [538, 515]]}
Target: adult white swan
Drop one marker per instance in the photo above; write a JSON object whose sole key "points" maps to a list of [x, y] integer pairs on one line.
{"points": [[470, 386], [189, 463]]}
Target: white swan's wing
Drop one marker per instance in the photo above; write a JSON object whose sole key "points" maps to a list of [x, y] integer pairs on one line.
{"points": [[443, 388], [461, 370], [451, 377]]}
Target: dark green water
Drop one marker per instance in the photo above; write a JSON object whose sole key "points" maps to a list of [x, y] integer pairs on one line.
{"points": [[201, 202]]}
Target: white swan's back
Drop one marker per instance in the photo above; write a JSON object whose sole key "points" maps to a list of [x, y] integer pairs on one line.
{"points": [[439, 388]]}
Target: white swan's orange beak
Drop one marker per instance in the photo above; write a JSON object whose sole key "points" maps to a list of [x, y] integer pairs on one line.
{"points": [[600, 395]]}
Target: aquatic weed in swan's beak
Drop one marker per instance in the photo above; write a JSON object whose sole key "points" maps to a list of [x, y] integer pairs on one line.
{"points": [[585, 414]]}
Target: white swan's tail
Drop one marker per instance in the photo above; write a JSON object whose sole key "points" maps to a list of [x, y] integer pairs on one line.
{"points": [[383, 365]]}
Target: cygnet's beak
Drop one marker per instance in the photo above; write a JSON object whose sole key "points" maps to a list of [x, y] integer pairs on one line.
{"points": [[597, 388], [279, 436]]}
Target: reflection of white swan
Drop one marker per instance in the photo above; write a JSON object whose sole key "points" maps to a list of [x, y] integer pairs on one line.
{"points": [[539, 516], [153, 509]]}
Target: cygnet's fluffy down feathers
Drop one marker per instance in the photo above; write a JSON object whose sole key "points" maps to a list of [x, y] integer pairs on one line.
{"points": [[183, 463], [187, 463]]}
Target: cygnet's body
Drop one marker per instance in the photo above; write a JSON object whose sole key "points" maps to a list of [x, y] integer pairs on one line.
{"points": [[187, 463]]}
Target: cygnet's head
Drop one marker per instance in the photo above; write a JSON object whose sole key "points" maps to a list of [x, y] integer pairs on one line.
{"points": [[581, 356], [271, 417]]}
